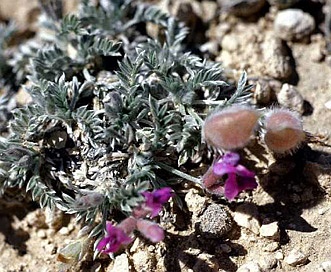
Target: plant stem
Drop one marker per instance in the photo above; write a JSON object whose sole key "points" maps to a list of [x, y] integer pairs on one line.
{"points": [[178, 173]]}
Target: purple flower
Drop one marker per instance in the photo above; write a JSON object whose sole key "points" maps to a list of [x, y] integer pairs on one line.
{"points": [[150, 230], [239, 178], [114, 239], [154, 200]]}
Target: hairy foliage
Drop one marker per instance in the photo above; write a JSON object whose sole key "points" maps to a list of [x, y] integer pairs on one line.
{"points": [[109, 116]]}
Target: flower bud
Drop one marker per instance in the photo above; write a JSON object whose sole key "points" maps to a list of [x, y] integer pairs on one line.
{"points": [[150, 230], [283, 131], [91, 199], [230, 128]]}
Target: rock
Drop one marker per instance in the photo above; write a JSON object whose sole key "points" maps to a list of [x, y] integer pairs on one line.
{"points": [[205, 262], [143, 261], [325, 267], [316, 53], [195, 203], [246, 216], [64, 231], [209, 10], [271, 247], [296, 257], [270, 231], [42, 234], [250, 267], [215, 222], [121, 263], [279, 255], [290, 97], [267, 262], [293, 25], [328, 104], [242, 8], [282, 4], [262, 92], [276, 59]]}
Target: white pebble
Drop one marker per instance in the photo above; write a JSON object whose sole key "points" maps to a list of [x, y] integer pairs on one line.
{"points": [[270, 231], [296, 257], [293, 24]]}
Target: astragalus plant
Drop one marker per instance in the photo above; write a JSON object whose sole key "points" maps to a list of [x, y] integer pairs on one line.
{"points": [[113, 112]]}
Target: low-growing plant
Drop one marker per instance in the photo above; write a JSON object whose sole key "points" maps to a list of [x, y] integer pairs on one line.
{"points": [[115, 113]]}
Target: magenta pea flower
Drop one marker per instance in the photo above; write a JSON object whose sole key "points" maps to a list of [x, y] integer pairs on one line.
{"points": [[239, 178], [150, 230], [154, 200], [115, 237]]}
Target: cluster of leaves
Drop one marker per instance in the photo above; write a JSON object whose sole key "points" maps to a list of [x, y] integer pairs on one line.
{"points": [[114, 111]]}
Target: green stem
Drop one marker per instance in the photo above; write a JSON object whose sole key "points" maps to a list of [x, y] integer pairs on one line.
{"points": [[178, 173]]}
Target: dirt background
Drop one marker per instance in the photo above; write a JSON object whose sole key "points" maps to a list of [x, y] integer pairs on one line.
{"points": [[284, 225]]}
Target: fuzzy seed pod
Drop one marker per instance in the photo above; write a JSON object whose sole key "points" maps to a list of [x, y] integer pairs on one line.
{"points": [[283, 131], [230, 128]]}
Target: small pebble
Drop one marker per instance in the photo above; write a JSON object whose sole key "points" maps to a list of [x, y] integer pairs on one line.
{"points": [[328, 105], [121, 263], [215, 222], [250, 267], [262, 93], [271, 247], [270, 231], [276, 59], [279, 255], [291, 98], [293, 24], [195, 202], [64, 231], [296, 257], [267, 262], [246, 216], [41, 234], [242, 8]]}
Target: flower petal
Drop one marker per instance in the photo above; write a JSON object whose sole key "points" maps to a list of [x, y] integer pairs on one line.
{"points": [[109, 227], [247, 183], [154, 200], [162, 195], [243, 171], [221, 168], [102, 243], [231, 189], [115, 237], [231, 158]]}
